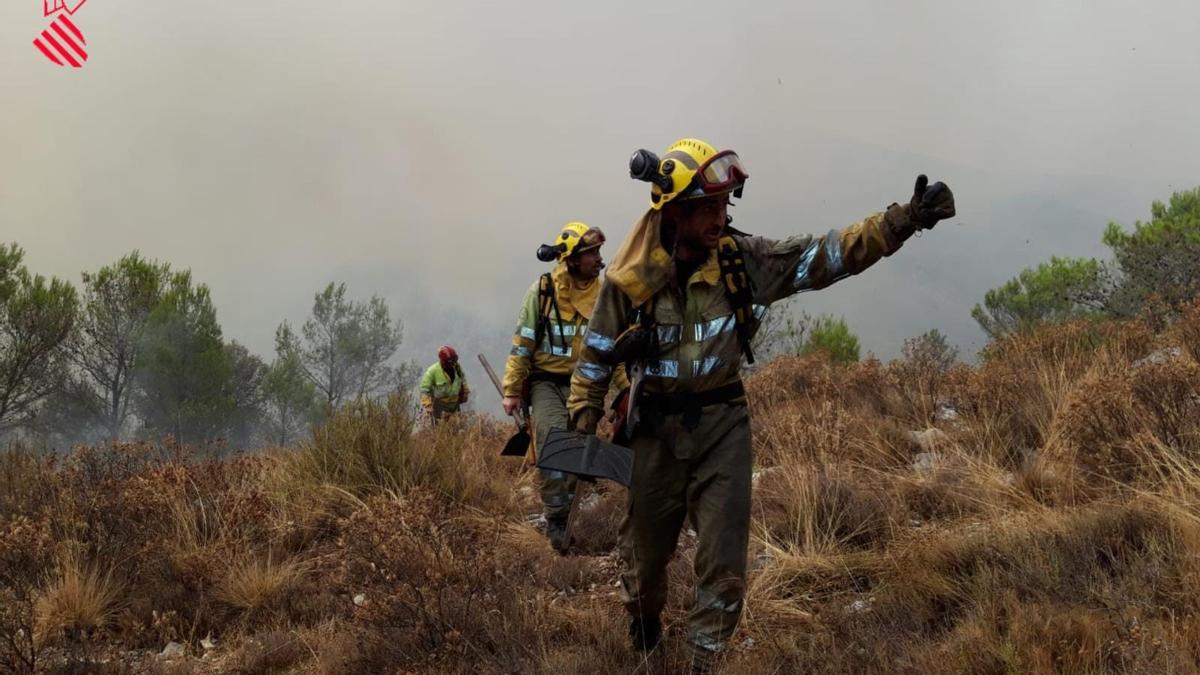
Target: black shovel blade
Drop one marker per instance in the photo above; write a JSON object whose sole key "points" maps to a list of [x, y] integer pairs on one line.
{"points": [[518, 445], [586, 456]]}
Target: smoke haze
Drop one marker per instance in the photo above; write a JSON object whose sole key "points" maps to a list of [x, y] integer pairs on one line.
{"points": [[422, 151]]}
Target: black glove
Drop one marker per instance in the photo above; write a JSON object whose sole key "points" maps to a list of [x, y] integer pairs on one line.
{"points": [[635, 344], [929, 204]]}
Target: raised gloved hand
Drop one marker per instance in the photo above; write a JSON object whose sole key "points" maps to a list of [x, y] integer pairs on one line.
{"points": [[929, 204]]}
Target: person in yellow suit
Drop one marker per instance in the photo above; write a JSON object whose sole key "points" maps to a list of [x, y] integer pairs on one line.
{"points": [[549, 335], [679, 308], [444, 386]]}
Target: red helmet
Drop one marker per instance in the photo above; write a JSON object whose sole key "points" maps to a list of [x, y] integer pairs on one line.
{"points": [[446, 354]]}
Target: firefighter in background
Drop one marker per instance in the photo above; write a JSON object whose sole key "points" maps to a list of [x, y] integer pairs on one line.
{"points": [[679, 307], [550, 331], [443, 386]]}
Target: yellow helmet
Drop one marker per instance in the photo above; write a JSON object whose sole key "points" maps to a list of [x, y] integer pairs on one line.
{"points": [[689, 168], [575, 238]]}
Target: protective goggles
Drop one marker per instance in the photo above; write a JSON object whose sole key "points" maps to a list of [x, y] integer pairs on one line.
{"points": [[723, 172]]}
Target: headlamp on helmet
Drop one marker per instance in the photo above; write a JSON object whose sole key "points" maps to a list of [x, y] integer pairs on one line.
{"points": [[690, 168], [574, 238]]}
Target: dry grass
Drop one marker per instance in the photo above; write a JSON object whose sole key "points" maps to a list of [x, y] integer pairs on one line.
{"points": [[78, 600], [258, 582], [1049, 526], [371, 447]]}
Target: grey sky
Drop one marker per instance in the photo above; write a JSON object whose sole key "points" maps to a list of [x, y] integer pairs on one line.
{"points": [[421, 151]]}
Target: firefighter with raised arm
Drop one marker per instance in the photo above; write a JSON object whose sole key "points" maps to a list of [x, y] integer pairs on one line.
{"points": [[553, 320], [679, 307]]}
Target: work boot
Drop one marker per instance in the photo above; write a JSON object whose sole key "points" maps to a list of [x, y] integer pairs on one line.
{"points": [[644, 632], [556, 530]]}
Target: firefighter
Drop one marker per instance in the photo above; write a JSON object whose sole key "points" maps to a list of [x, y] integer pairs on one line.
{"points": [[679, 306], [443, 386], [553, 320]]}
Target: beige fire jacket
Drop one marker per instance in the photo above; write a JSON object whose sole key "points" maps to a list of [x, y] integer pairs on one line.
{"points": [[697, 340]]}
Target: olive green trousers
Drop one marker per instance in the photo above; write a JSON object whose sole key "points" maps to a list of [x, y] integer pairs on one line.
{"points": [[704, 475], [550, 412]]}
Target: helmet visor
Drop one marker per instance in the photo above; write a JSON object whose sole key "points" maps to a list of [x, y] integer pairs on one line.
{"points": [[722, 172]]}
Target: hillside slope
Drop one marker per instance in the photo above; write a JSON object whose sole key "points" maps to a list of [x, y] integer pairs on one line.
{"points": [[1036, 513]]}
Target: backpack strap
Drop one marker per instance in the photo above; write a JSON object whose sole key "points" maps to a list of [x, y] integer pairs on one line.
{"points": [[547, 302], [738, 290]]}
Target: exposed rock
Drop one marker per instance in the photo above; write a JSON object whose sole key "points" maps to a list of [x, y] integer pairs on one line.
{"points": [[208, 643], [1159, 357], [762, 472], [946, 412], [928, 440], [360, 600], [859, 606], [925, 462], [173, 650]]}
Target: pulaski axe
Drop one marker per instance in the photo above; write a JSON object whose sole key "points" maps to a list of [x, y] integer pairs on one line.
{"points": [[518, 445]]}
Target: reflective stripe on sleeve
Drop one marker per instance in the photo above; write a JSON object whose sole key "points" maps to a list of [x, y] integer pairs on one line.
{"points": [[833, 256], [599, 341], [803, 279], [593, 371]]}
